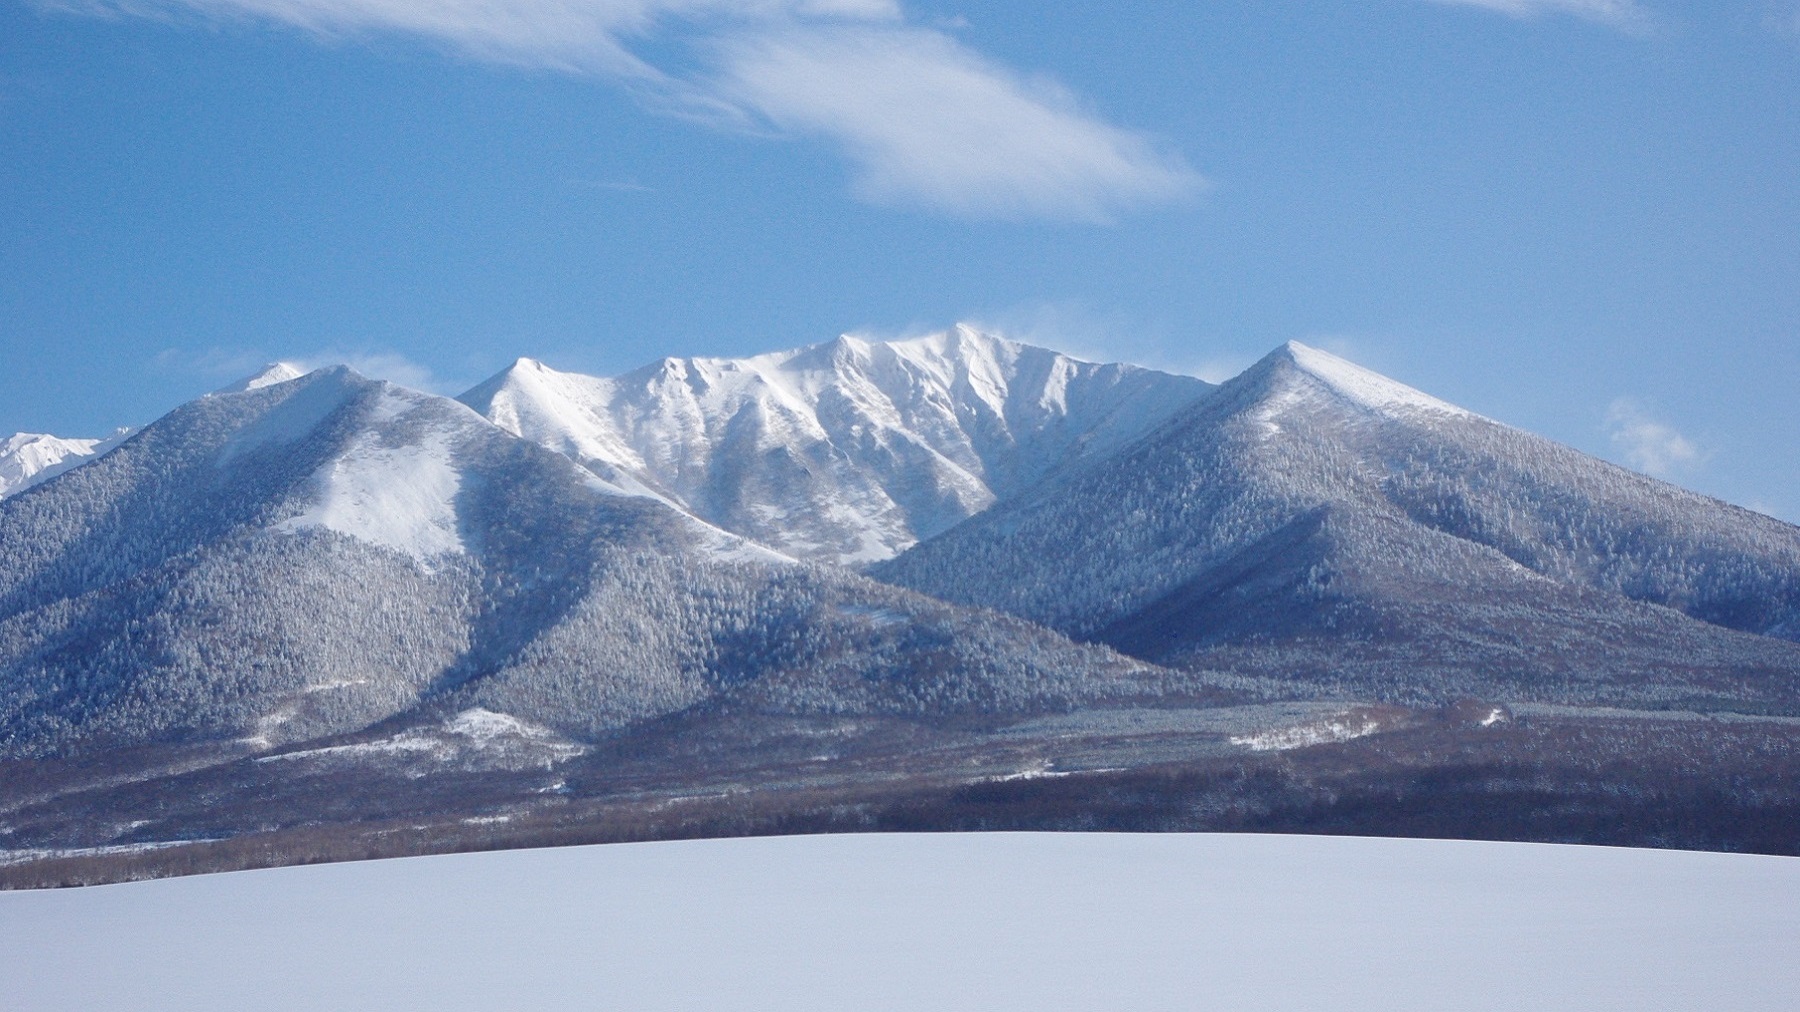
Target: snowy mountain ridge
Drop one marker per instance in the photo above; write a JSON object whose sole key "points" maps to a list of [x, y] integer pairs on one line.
{"points": [[1312, 507], [31, 458], [848, 451]]}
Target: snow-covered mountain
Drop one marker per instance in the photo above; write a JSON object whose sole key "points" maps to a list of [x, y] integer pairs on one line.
{"points": [[1310, 503], [30, 458], [312, 556], [847, 451], [316, 616]]}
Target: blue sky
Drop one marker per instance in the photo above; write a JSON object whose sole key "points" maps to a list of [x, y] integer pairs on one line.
{"points": [[1576, 216]]}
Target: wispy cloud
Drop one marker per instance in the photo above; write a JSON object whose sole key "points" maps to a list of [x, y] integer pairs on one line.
{"points": [[1095, 335], [212, 364], [219, 365], [381, 365], [922, 118], [1652, 446], [1624, 14]]}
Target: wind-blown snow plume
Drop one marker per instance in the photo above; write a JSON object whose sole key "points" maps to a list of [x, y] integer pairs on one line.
{"points": [[923, 118], [386, 365]]}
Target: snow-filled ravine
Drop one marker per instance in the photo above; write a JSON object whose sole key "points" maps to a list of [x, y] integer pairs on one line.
{"points": [[945, 921]]}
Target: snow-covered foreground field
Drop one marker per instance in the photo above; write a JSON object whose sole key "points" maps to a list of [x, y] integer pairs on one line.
{"points": [[990, 921]]}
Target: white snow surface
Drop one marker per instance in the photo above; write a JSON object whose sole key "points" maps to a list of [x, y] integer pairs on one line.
{"points": [[296, 417], [477, 735], [31, 458], [267, 376], [401, 497], [934, 921], [848, 451], [1342, 727], [484, 726], [1364, 386]]}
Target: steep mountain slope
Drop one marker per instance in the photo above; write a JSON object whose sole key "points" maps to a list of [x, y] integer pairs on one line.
{"points": [[313, 556], [1346, 525], [847, 451], [28, 458]]}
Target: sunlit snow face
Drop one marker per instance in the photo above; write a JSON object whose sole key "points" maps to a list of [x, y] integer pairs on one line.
{"points": [[849, 451]]}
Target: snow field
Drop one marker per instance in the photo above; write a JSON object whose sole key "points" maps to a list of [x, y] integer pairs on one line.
{"points": [[935, 921]]}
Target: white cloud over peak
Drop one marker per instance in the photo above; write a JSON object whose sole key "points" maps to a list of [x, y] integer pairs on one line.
{"points": [[381, 365], [922, 118], [1647, 444], [1619, 13]]}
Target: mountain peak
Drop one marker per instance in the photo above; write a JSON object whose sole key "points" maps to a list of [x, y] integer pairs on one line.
{"points": [[848, 450], [1352, 382], [960, 341], [267, 376]]}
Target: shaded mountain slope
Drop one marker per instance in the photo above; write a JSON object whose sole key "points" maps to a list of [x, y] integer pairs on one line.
{"points": [[1354, 528]]}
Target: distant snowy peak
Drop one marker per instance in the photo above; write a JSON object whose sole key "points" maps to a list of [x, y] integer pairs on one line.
{"points": [[29, 458], [268, 375], [847, 451]]}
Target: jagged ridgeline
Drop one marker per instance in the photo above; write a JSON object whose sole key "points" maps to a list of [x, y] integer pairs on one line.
{"points": [[848, 451], [1316, 521], [299, 558]]}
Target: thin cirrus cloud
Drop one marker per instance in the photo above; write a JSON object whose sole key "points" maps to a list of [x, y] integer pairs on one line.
{"points": [[380, 365], [1619, 13], [922, 118], [1646, 443], [926, 119]]}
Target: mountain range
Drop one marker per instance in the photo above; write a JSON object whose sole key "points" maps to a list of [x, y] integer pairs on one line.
{"points": [[946, 581], [846, 452]]}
